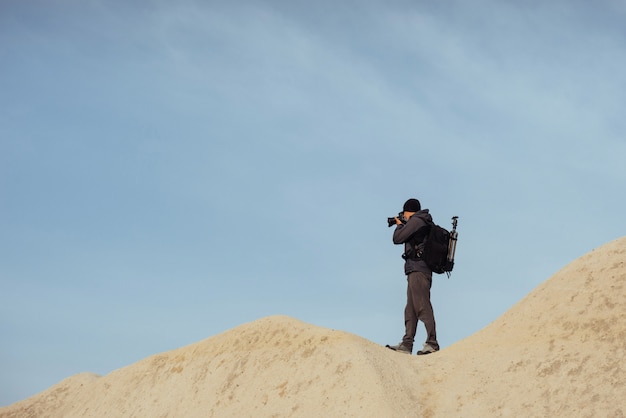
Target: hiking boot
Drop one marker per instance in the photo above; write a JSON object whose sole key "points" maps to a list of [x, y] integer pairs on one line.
{"points": [[426, 350], [400, 348]]}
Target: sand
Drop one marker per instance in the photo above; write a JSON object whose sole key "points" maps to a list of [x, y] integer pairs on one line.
{"points": [[560, 351]]}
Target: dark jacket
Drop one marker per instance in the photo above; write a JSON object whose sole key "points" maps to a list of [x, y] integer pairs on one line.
{"points": [[414, 230]]}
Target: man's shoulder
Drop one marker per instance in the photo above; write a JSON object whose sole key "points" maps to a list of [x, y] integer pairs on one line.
{"points": [[424, 216]]}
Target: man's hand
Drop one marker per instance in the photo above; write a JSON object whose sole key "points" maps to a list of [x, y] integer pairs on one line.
{"points": [[398, 221]]}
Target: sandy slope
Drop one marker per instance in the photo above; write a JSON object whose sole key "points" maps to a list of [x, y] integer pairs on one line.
{"points": [[560, 351]]}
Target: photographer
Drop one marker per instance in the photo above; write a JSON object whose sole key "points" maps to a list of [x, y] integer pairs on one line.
{"points": [[412, 226]]}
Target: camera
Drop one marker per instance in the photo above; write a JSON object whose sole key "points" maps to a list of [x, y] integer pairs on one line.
{"points": [[392, 221]]}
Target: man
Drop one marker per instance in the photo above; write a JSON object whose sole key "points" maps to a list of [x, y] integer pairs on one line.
{"points": [[411, 231]]}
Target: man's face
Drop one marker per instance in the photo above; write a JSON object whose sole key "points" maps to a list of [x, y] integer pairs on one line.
{"points": [[407, 215]]}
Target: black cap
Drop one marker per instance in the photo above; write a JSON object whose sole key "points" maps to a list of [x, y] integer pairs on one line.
{"points": [[412, 205]]}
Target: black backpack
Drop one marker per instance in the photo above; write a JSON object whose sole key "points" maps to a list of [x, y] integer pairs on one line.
{"points": [[439, 248]]}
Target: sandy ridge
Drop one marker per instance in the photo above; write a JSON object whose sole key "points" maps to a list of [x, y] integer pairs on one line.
{"points": [[560, 351]]}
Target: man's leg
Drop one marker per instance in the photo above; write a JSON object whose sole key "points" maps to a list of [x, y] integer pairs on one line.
{"points": [[410, 314], [423, 307]]}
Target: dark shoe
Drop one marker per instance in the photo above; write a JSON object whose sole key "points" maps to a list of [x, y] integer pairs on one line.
{"points": [[401, 348], [426, 350]]}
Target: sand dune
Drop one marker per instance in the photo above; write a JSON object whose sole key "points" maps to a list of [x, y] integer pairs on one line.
{"points": [[559, 352]]}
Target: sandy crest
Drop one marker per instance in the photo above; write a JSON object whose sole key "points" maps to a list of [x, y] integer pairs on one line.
{"points": [[559, 352], [275, 366]]}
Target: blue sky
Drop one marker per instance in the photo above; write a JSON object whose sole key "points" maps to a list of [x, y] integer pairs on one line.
{"points": [[171, 170]]}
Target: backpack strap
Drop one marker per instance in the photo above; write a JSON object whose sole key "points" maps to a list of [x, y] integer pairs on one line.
{"points": [[414, 253]]}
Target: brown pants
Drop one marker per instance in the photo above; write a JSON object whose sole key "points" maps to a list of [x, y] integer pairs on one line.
{"points": [[418, 307]]}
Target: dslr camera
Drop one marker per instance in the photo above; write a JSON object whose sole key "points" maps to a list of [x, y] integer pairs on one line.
{"points": [[392, 221]]}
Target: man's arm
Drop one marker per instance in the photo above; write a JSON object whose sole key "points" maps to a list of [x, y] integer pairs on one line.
{"points": [[404, 232]]}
